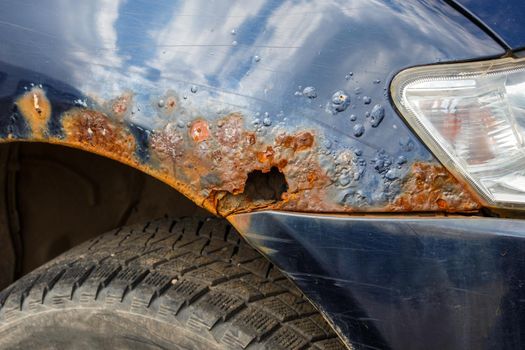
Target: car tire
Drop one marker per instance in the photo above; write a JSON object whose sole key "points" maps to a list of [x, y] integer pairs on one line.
{"points": [[168, 284]]}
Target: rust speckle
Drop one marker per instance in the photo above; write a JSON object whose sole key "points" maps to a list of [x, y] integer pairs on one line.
{"points": [[251, 139], [230, 130], [430, 187], [36, 109], [312, 177], [199, 131], [171, 103], [121, 105], [168, 143]]}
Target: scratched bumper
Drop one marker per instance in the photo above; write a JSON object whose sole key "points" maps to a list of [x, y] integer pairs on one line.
{"points": [[404, 283]]}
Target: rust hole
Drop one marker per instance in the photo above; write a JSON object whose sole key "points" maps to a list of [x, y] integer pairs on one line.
{"points": [[267, 186]]}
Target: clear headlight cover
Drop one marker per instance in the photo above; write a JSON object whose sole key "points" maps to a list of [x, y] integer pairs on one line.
{"points": [[472, 116]]}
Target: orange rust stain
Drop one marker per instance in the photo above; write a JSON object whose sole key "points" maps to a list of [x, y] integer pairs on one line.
{"points": [[312, 177], [265, 156], [94, 130], [36, 109], [430, 187], [171, 103], [298, 142], [199, 131]]}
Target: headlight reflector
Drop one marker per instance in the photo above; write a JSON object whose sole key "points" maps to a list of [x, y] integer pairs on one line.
{"points": [[472, 116]]}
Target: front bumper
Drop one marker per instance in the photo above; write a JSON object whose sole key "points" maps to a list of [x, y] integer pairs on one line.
{"points": [[403, 282]]}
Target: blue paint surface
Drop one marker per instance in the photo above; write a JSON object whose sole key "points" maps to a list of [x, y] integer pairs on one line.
{"points": [[503, 17]]}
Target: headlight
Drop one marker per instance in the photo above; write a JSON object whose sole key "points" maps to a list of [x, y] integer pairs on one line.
{"points": [[472, 116]]}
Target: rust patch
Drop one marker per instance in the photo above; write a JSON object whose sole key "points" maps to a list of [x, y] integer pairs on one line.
{"points": [[168, 143], [228, 168], [94, 130], [430, 187], [291, 154], [199, 131], [299, 142], [121, 105], [36, 109], [171, 103]]}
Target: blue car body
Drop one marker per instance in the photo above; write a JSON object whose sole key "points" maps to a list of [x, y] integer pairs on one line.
{"points": [[302, 90]]}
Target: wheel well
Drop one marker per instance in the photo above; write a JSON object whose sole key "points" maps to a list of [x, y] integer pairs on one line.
{"points": [[55, 197]]}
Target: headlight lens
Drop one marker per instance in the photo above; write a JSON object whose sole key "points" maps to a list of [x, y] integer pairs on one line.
{"points": [[472, 116]]}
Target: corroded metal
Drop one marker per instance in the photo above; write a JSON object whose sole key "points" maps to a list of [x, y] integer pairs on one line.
{"points": [[239, 105], [210, 160]]}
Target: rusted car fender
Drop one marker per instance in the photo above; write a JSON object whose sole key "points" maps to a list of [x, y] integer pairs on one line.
{"points": [[271, 104]]}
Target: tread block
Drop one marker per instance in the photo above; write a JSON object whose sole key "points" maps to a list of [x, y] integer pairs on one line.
{"points": [[183, 263], [157, 281], [181, 292], [100, 278], [245, 253], [164, 225], [285, 338], [255, 324], [216, 245], [259, 266], [214, 306], [125, 280], [299, 305], [323, 324], [243, 289], [270, 288], [227, 270], [225, 253], [192, 244], [264, 287], [275, 274], [276, 307], [290, 286], [165, 240], [153, 285], [214, 229], [36, 297], [147, 258], [186, 225], [62, 292], [307, 328], [329, 344], [206, 275], [139, 240]]}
